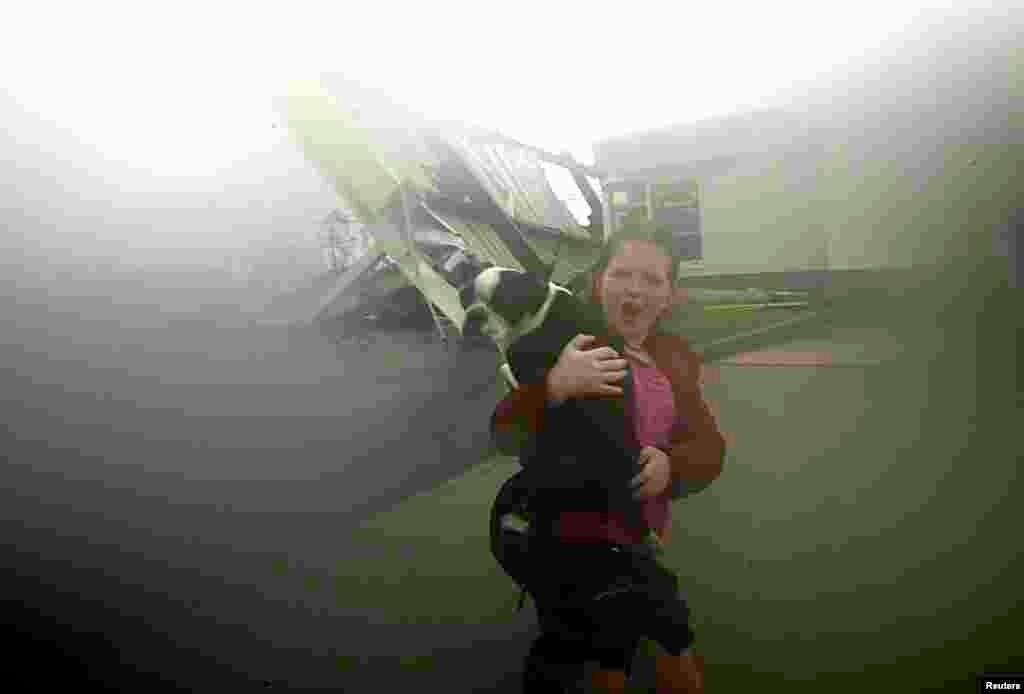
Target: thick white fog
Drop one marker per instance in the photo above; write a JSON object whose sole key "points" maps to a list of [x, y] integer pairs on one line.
{"points": [[165, 450]]}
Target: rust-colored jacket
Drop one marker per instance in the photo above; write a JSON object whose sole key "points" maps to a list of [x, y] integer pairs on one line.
{"points": [[696, 451]]}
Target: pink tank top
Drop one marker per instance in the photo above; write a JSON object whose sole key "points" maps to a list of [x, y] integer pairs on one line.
{"points": [[654, 416]]}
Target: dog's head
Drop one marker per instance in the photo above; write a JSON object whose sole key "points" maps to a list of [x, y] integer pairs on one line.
{"points": [[499, 300]]}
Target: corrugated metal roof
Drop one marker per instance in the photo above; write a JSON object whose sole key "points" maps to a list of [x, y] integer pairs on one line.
{"points": [[517, 181], [381, 142], [368, 147]]}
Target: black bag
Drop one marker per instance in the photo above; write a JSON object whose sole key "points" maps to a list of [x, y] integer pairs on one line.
{"points": [[509, 545], [510, 542]]}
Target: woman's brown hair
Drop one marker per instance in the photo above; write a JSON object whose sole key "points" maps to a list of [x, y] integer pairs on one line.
{"points": [[632, 230], [639, 230]]}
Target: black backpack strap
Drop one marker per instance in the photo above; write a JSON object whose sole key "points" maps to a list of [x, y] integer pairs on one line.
{"points": [[515, 550], [509, 545]]}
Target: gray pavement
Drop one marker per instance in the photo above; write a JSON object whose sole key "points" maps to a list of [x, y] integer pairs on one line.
{"points": [[157, 464], [148, 489]]}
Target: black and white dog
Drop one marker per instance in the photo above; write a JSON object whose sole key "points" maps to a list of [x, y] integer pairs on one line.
{"points": [[589, 453]]}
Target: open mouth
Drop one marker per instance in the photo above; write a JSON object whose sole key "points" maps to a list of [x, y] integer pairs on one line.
{"points": [[631, 310]]}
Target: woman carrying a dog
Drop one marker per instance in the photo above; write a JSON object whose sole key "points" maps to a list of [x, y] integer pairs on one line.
{"points": [[586, 571]]}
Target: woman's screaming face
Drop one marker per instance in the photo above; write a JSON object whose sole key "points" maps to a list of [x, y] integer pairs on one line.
{"points": [[635, 289]]}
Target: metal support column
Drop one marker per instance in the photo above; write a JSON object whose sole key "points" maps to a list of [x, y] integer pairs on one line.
{"points": [[609, 213], [407, 233]]}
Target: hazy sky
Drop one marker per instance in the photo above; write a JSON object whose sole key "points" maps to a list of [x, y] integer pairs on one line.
{"points": [[184, 92]]}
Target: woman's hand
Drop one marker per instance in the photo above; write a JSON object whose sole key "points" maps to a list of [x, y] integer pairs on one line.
{"points": [[580, 373], [655, 474]]}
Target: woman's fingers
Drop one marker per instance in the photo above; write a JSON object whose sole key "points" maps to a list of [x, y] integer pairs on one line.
{"points": [[613, 376], [590, 372], [582, 340], [603, 353]]}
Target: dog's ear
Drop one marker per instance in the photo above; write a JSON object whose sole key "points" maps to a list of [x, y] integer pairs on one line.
{"points": [[480, 286], [517, 295]]}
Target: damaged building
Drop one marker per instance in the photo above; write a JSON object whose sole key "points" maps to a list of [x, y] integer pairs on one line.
{"points": [[436, 202]]}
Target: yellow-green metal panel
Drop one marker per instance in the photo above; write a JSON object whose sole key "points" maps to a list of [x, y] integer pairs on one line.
{"points": [[419, 273], [484, 243], [359, 171]]}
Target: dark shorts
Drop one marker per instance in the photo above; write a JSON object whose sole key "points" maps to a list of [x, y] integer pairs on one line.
{"points": [[598, 601]]}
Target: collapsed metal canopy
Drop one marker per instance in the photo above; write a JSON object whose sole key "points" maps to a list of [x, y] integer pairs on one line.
{"points": [[439, 199]]}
